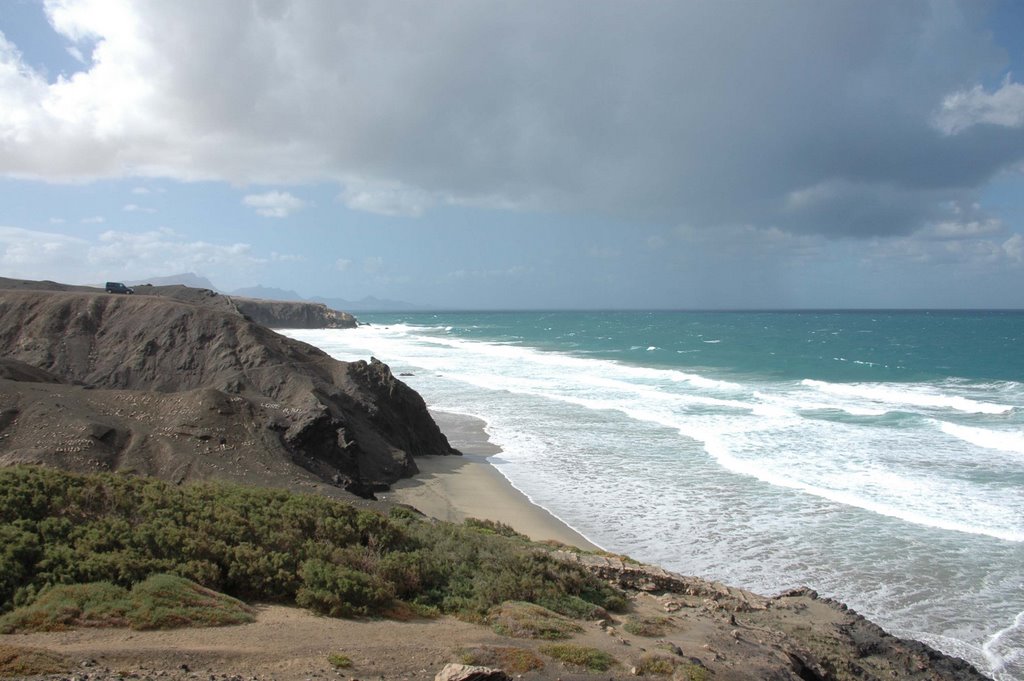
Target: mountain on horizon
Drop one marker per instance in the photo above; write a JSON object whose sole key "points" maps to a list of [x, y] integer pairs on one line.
{"points": [[368, 304], [185, 279]]}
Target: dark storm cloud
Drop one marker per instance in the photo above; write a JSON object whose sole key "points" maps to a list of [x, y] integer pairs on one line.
{"points": [[811, 117]]}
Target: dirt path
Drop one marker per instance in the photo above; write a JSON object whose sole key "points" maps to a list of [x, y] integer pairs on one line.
{"points": [[284, 643]]}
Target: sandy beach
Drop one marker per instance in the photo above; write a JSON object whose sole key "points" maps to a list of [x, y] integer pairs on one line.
{"points": [[454, 488]]}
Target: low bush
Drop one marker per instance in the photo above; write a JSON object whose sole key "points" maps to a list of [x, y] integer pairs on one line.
{"points": [[592, 659], [60, 528], [493, 527], [510, 659], [71, 605], [159, 602], [168, 601], [527, 620]]}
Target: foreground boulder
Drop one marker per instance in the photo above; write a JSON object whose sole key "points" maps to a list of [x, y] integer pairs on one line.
{"points": [[185, 386]]}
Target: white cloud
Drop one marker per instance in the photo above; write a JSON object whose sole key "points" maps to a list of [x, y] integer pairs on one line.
{"points": [[958, 230], [94, 220], [342, 264], [57, 221], [164, 251], [141, 190], [967, 108], [29, 254], [32, 254], [1014, 248], [385, 199], [135, 208], [274, 204]]}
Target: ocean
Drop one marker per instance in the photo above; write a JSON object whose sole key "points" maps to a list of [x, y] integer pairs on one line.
{"points": [[875, 456]]}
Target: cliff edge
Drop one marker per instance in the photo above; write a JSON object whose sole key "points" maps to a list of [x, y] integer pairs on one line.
{"points": [[183, 384]]}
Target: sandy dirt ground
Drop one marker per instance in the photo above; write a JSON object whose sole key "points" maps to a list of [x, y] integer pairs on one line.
{"points": [[454, 488]]}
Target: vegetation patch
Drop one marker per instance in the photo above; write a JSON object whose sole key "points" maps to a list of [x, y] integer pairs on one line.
{"points": [[169, 601], [528, 620], [20, 662], [159, 602], [655, 664], [691, 672], [339, 661], [651, 627], [591, 659], [492, 527], [59, 528], [511, 659], [70, 606]]}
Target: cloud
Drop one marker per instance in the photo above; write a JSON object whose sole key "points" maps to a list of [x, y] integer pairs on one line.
{"points": [[385, 199], [94, 220], [1014, 248], [165, 251], [373, 264], [782, 115], [274, 204], [135, 208], [44, 255], [25, 253], [342, 264], [967, 108]]}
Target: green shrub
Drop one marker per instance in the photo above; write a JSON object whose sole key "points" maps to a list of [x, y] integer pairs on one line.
{"points": [[169, 601], [71, 605], [493, 527], [580, 656], [339, 661], [340, 591], [60, 528], [526, 620], [510, 659], [160, 602]]}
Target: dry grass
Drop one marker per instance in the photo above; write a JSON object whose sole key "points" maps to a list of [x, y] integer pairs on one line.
{"points": [[512, 660], [651, 627], [526, 620], [592, 659], [16, 661]]}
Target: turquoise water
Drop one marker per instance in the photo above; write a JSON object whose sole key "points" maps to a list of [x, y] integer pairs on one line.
{"points": [[877, 457]]}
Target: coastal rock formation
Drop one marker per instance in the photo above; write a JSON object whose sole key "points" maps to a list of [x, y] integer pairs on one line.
{"points": [[183, 385], [293, 315], [795, 635]]}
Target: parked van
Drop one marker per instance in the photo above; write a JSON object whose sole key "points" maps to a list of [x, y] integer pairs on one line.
{"points": [[118, 287]]}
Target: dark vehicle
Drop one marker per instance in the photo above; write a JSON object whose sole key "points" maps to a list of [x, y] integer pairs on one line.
{"points": [[118, 287]]}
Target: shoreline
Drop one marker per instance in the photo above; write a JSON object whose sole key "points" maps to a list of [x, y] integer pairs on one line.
{"points": [[453, 488]]}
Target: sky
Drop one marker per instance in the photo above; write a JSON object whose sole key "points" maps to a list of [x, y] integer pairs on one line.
{"points": [[519, 155]]}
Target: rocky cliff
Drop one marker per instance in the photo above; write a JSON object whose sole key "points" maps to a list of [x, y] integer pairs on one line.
{"points": [[182, 384], [278, 314]]}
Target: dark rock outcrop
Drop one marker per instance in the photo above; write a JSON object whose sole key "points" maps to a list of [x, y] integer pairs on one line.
{"points": [[183, 385], [293, 315]]}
